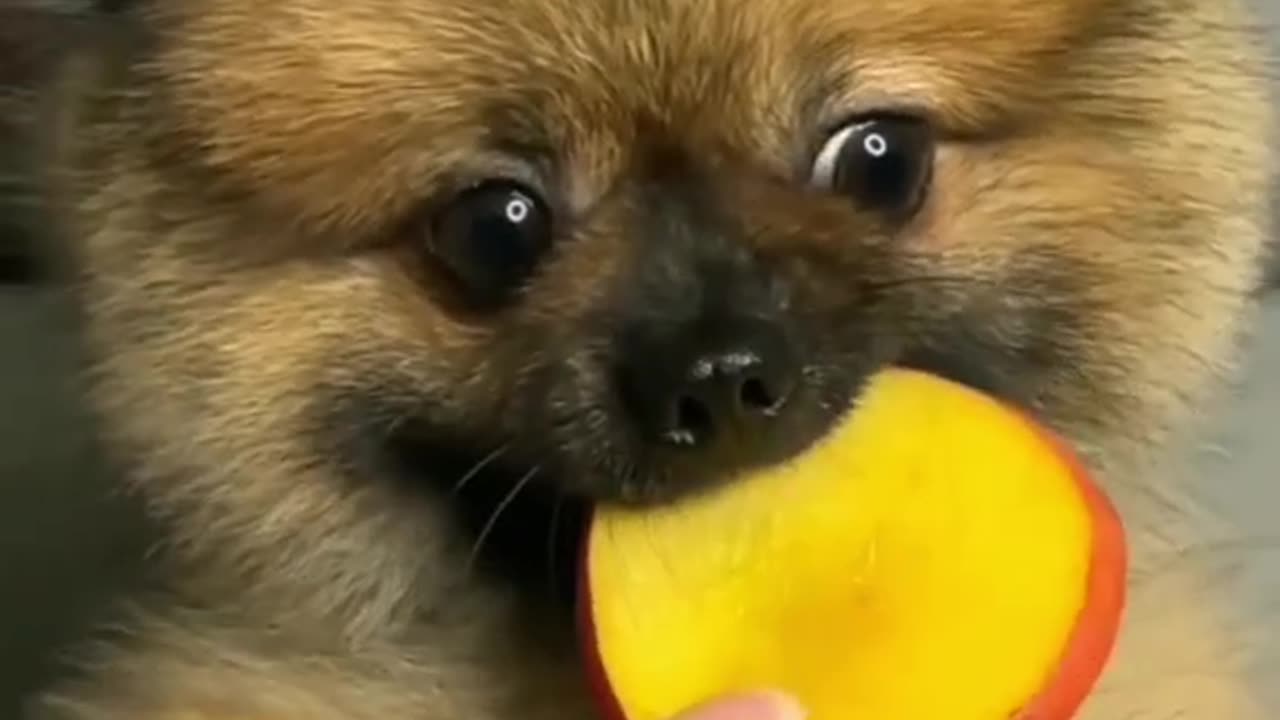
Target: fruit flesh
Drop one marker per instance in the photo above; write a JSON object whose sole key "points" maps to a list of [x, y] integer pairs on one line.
{"points": [[938, 556]]}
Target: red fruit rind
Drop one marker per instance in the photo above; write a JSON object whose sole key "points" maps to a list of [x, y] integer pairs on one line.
{"points": [[1090, 640], [1094, 637]]}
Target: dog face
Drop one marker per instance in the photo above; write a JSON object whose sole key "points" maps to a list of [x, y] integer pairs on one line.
{"points": [[338, 254]]}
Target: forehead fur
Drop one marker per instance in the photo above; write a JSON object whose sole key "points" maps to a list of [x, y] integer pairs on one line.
{"points": [[367, 103]]}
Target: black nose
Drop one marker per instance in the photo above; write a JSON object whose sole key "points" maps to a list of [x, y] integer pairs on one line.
{"points": [[724, 387]]}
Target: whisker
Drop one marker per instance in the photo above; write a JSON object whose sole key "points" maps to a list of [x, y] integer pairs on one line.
{"points": [[553, 533], [477, 469], [487, 530]]}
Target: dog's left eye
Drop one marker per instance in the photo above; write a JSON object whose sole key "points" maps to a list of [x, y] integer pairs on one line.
{"points": [[884, 164], [490, 239]]}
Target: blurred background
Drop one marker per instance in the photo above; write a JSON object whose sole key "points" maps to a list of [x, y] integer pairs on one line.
{"points": [[68, 544]]}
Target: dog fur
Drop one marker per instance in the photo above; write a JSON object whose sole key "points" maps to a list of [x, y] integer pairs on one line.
{"points": [[234, 180]]}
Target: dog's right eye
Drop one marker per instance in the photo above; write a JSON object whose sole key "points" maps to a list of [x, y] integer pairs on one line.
{"points": [[883, 163], [490, 238]]}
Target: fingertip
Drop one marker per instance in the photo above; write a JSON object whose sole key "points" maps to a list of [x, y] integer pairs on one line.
{"points": [[786, 707], [759, 705]]}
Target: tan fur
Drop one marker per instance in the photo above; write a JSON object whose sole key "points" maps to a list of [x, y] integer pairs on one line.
{"points": [[232, 170]]}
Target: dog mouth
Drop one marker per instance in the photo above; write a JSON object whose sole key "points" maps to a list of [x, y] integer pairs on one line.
{"points": [[524, 524]]}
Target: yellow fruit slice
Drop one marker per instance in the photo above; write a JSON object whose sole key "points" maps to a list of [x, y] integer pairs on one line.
{"points": [[937, 557]]}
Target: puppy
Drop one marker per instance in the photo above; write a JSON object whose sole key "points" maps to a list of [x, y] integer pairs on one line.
{"points": [[383, 293]]}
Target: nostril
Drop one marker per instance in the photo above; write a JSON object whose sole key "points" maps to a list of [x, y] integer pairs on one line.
{"points": [[719, 390], [694, 422], [755, 395]]}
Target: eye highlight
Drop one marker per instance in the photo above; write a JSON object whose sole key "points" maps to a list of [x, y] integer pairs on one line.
{"points": [[884, 164], [489, 238]]}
